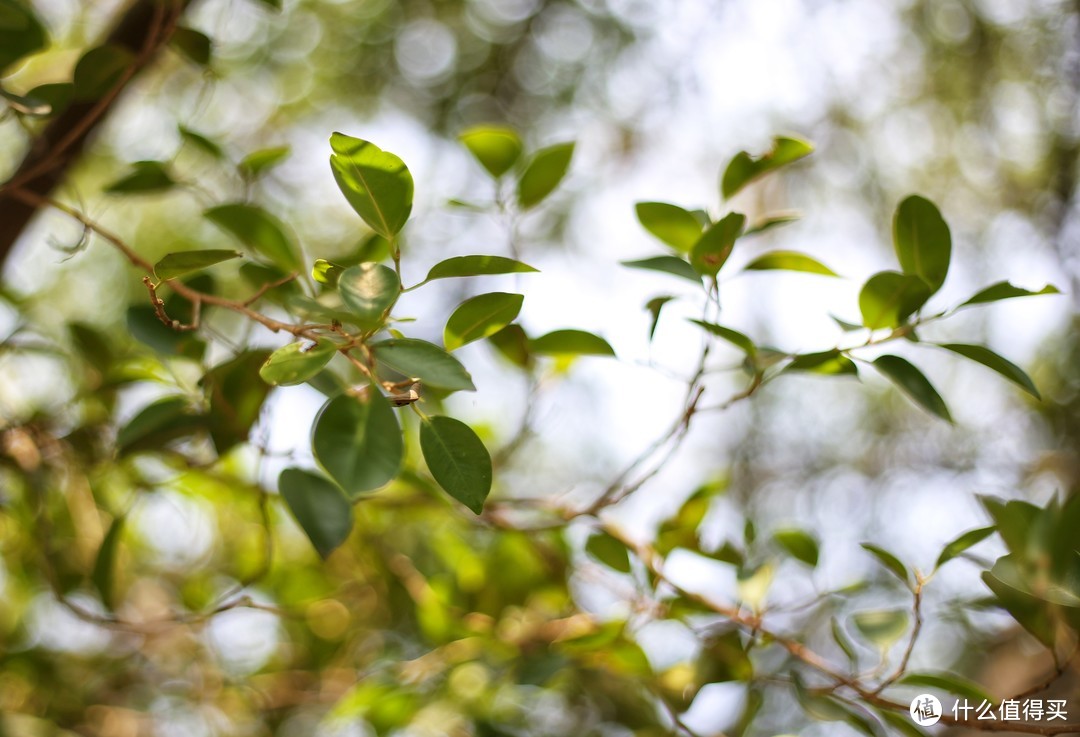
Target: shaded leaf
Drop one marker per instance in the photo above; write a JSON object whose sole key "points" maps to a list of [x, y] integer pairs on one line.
{"points": [[962, 543], [543, 174], [744, 169], [922, 241], [1005, 290], [609, 551], [194, 45], [21, 33], [236, 398], [571, 343], [985, 356], [297, 362], [480, 316], [418, 359], [156, 424], [832, 363], [734, 337], [799, 544], [369, 291], [201, 142], [712, 249], [476, 266], [27, 104], [670, 223], [376, 183], [497, 148], [321, 509], [668, 265], [789, 261], [99, 70], [513, 344], [56, 95], [889, 561], [173, 265], [888, 298], [913, 383], [774, 221], [883, 627], [457, 459], [358, 442], [949, 683], [145, 176], [104, 573], [257, 163], [654, 306], [259, 231], [843, 642]]}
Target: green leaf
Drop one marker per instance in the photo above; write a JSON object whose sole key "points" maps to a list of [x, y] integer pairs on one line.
{"points": [[376, 183], [326, 272], [497, 148], [201, 142], [734, 337], [21, 33], [668, 265], [513, 344], [194, 45], [421, 360], [670, 223], [847, 327], [369, 291], [259, 231], [789, 261], [27, 104], [236, 398], [744, 169], [843, 642], [962, 543], [773, 221], [104, 573], [57, 96], [145, 176], [901, 724], [173, 265], [799, 544], [322, 511], [985, 356], [830, 362], [609, 551], [358, 442], [479, 317], [712, 249], [1005, 290], [272, 4], [457, 459], [543, 174], [259, 162], [948, 683], [888, 298], [883, 627], [913, 383], [476, 266], [654, 306], [888, 561], [571, 343], [922, 241], [157, 424], [297, 362], [99, 70]]}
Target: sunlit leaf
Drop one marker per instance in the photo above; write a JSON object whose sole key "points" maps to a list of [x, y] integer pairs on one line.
{"points": [[985, 356], [962, 543], [376, 183], [497, 148], [734, 337], [459, 266], [922, 241], [831, 363], [666, 264], [369, 291], [480, 316], [321, 509], [744, 168], [358, 442], [711, 251], [1005, 290], [544, 173], [425, 361], [571, 343], [888, 298], [457, 459], [799, 544], [173, 265], [259, 231], [259, 162], [145, 176], [297, 362], [789, 261], [913, 383], [609, 551], [326, 272], [670, 223]]}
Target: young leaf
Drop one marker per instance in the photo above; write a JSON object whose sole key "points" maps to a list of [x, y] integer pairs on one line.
{"points": [[962, 543], [824, 362], [297, 362], [21, 34], [571, 343], [789, 261], [889, 561], [99, 70], [712, 249], [744, 169], [376, 183], [543, 174], [476, 266], [194, 45], [173, 265], [922, 241], [670, 223], [497, 148], [326, 272], [667, 264], [259, 162], [457, 459], [883, 627], [421, 360], [985, 356], [949, 683], [609, 551], [201, 142], [369, 291], [259, 231], [358, 442], [1005, 290], [913, 383], [799, 544], [103, 575], [888, 298], [322, 511], [479, 317], [734, 337], [145, 176]]}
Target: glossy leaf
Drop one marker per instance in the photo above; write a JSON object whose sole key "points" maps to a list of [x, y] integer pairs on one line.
{"points": [[744, 168], [358, 442], [543, 174], [457, 459], [323, 512], [888, 561], [497, 148], [297, 362], [479, 317], [173, 265], [376, 183], [326, 272], [425, 361], [21, 33], [734, 337], [144, 177], [609, 551], [789, 261], [666, 264], [259, 231], [799, 544], [571, 343], [985, 356], [882, 627], [459, 266], [99, 70], [1005, 290], [913, 383], [712, 249], [670, 223], [194, 45], [922, 241], [962, 543], [104, 573], [369, 291], [259, 162], [949, 683], [888, 298]]}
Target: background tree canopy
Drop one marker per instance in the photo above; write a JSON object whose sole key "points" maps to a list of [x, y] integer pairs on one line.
{"points": [[528, 367]]}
